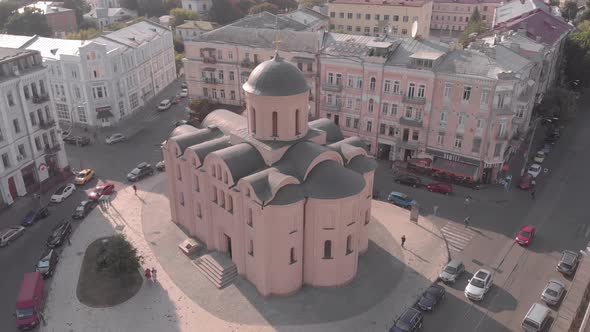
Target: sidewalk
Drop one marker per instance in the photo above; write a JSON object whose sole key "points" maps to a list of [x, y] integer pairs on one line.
{"points": [[170, 305]]}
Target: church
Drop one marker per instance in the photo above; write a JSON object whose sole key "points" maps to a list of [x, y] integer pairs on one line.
{"points": [[289, 201]]}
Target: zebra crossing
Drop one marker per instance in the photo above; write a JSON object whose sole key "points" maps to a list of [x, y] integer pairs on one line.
{"points": [[457, 236]]}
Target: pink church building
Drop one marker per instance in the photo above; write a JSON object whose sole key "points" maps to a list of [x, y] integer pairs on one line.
{"points": [[288, 200]]}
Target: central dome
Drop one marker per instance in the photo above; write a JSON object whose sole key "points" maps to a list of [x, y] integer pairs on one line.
{"points": [[276, 78]]}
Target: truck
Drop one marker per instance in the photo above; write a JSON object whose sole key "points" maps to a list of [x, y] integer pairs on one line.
{"points": [[30, 301]]}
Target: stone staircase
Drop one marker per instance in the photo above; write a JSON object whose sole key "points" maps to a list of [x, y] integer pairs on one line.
{"points": [[217, 267]]}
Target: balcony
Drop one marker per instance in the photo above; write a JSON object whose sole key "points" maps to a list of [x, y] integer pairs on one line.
{"points": [[411, 122], [40, 99], [410, 145], [212, 80], [332, 87], [52, 149], [209, 59], [47, 124], [414, 100], [332, 107], [249, 64]]}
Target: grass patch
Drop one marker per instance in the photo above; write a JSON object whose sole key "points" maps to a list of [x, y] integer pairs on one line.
{"points": [[101, 289]]}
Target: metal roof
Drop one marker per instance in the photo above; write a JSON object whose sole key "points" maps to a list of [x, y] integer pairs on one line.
{"points": [[276, 77]]}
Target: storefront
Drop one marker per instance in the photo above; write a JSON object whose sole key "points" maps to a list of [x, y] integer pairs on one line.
{"points": [[454, 164]]}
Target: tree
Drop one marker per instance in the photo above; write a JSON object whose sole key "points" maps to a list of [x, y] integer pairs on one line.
{"points": [[30, 22], [117, 256], [200, 108], [79, 6], [264, 7], [475, 25], [179, 15], [577, 54], [178, 60], [87, 24], [6, 10], [115, 26], [223, 12], [129, 4], [559, 102], [312, 3], [85, 34], [569, 10], [178, 44]]}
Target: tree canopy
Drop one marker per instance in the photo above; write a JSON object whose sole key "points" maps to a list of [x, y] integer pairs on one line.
{"points": [[79, 6], [6, 10], [559, 102], [200, 108], [224, 12], [84, 34], [264, 7], [312, 3], [118, 256], [578, 54], [30, 22], [151, 8], [475, 25], [180, 15], [569, 10]]}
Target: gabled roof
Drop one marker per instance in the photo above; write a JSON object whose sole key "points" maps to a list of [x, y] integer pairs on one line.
{"points": [[333, 133], [518, 8], [542, 25], [242, 159], [306, 16], [137, 34]]}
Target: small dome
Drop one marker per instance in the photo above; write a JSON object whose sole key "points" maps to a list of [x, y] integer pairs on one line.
{"points": [[276, 77]]}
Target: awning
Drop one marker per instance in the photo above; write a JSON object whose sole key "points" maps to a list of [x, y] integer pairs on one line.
{"points": [[104, 114], [454, 167]]}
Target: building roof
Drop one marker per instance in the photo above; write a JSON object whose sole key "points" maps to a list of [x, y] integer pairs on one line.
{"points": [[541, 26], [408, 47], [306, 16], [276, 77], [401, 3], [266, 20], [242, 159], [195, 137], [53, 48], [47, 7], [298, 41], [518, 8], [14, 41], [137, 34], [339, 44], [201, 25], [333, 133], [469, 2], [8, 54], [225, 120], [329, 180]]}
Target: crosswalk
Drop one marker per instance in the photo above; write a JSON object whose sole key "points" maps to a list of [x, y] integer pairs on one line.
{"points": [[457, 236]]}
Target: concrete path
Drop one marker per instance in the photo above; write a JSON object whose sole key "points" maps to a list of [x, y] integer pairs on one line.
{"points": [[169, 304]]}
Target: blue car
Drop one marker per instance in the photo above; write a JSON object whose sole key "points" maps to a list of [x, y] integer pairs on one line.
{"points": [[547, 148], [401, 199], [34, 215]]}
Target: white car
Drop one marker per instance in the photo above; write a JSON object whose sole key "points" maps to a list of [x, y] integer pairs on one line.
{"points": [[164, 105], [183, 93], [534, 170], [10, 234], [479, 285], [115, 138], [63, 192], [539, 157]]}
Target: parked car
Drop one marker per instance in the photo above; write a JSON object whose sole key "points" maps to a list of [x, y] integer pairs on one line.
{"points": [[553, 292], [10, 234], [526, 182], [102, 189], [539, 157], [60, 234], [452, 271], [142, 170], [84, 176], [568, 262], [547, 147], [440, 187], [537, 318], [525, 235], [62, 193], [164, 105], [29, 301], [409, 321], [183, 93], [534, 170], [47, 262], [183, 85], [550, 139], [115, 138], [83, 209], [34, 215], [401, 199], [479, 285], [431, 297], [77, 140], [161, 166], [408, 180]]}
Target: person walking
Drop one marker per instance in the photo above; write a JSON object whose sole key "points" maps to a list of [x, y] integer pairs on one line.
{"points": [[466, 221], [148, 274], [403, 241], [533, 194], [135, 189], [154, 274]]}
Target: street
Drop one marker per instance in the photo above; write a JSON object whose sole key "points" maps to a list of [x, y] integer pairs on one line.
{"points": [[111, 163]]}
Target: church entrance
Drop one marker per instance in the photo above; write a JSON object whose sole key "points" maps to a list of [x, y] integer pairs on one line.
{"points": [[228, 244]]}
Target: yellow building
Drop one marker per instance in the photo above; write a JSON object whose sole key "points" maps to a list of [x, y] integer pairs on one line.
{"points": [[376, 18]]}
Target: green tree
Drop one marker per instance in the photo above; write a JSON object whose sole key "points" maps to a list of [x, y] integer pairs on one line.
{"points": [[129, 4], [200, 108], [178, 44], [79, 6], [475, 25], [85, 34], [30, 22], [115, 26], [264, 7], [569, 10], [179, 15], [117, 255], [223, 12], [178, 60], [559, 102], [577, 54], [88, 24], [312, 3], [6, 10]]}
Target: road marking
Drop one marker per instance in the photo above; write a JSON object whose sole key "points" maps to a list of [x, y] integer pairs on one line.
{"points": [[457, 237]]}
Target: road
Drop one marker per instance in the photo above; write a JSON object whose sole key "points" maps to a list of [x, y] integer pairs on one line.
{"points": [[112, 163]]}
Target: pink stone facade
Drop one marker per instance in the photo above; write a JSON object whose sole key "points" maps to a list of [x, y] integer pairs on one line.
{"points": [[455, 15]]}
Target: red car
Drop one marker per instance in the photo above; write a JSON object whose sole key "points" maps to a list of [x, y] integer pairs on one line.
{"points": [[525, 235], [440, 187], [526, 182], [102, 189]]}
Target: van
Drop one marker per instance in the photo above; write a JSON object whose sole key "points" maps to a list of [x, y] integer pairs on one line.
{"points": [[537, 318], [30, 301]]}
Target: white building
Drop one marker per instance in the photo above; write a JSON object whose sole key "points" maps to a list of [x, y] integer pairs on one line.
{"points": [[99, 82], [107, 16], [199, 6], [30, 146], [194, 29], [104, 3]]}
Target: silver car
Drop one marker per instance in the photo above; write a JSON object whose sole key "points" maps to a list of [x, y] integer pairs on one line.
{"points": [[115, 138], [10, 234], [452, 271], [553, 292]]}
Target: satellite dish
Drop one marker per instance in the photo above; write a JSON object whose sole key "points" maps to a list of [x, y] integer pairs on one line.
{"points": [[414, 29]]}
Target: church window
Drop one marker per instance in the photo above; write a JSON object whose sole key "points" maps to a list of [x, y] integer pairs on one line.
{"points": [[275, 124], [328, 249]]}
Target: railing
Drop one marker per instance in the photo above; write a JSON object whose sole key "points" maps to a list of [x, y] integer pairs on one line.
{"points": [[249, 63], [332, 107], [210, 59], [332, 87], [407, 144], [410, 122], [40, 99], [47, 124], [414, 100], [212, 80]]}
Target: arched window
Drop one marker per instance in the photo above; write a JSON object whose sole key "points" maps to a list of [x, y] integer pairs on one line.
{"points": [[218, 171], [253, 120], [275, 124], [349, 244], [328, 249], [292, 255], [367, 217], [371, 105], [372, 84], [221, 198], [230, 204], [297, 119]]}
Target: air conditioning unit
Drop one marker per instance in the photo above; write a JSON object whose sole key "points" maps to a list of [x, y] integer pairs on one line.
{"points": [[20, 157]]}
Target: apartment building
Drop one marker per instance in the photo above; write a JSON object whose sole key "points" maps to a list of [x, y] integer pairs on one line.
{"points": [[30, 146], [101, 81], [106, 16], [193, 29], [379, 18], [198, 6], [454, 15], [315, 21]]}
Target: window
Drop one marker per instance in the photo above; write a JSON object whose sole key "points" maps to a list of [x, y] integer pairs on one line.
{"points": [[253, 120], [214, 190], [408, 114], [485, 96], [219, 54], [466, 93], [292, 259], [458, 143], [348, 119], [99, 92], [411, 89], [181, 198], [382, 128], [349, 28], [196, 183], [81, 114], [249, 220], [33, 118], [371, 106], [349, 245], [372, 84], [251, 248], [415, 135], [387, 86], [520, 111], [16, 126], [121, 109], [230, 204], [421, 90], [386, 17], [461, 120], [222, 93], [232, 95], [133, 100], [198, 207], [332, 14], [10, 99], [338, 79], [369, 126], [356, 123], [404, 31], [448, 90], [443, 119], [497, 149], [414, 18], [501, 97], [377, 17], [384, 108], [178, 172], [349, 16], [395, 18], [327, 249], [21, 150], [440, 139], [6, 160], [476, 145], [26, 92], [390, 131]]}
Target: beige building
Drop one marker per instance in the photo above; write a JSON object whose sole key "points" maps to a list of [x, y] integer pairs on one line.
{"points": [[455, 14], [376, 18]]}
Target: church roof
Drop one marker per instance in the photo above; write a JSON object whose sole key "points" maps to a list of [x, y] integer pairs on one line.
{"points": [[203, 149], [241, 159], [362, 164], [196, 137], [225, 120], [329, 180], [333, 133], [276, 77]]}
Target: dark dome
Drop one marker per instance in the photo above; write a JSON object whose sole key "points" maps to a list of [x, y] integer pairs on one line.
{"points": [[276, 77]]}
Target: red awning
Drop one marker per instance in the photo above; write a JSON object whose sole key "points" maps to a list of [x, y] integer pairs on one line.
{"points": [[454, 167]]}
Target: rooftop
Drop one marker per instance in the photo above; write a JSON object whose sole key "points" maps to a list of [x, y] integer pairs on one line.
{"points": [[137, 34], [518, 8], [412, 48], [266, 20], [542, 25], [8, 54], [340, 44], [306, 16], [46, 7], [201, 25], [470, 2], [402, 3]]}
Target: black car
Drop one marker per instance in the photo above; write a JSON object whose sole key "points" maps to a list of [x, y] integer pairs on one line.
{"points": [[408, 180], [83, 209], [77, 140], [410, 321], [47, 262], [431, 297], [59, 234], [142, 170], [34, 215]]}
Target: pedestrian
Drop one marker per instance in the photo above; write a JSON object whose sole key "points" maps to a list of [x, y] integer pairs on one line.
{"points": [[154, 274], [466, 221], [533, 194], [148, 274], [403, 240], [435, 208], [135, 189]]}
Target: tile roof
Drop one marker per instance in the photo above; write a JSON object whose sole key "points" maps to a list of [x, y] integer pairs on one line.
{"points": [[548, 28], [517, 8]]}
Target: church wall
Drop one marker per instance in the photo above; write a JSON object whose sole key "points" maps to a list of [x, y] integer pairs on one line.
{"points": [[286, 107]]}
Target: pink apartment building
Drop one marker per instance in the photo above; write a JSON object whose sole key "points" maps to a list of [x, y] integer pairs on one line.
{"points": [[289, 201], [454, 15]]}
